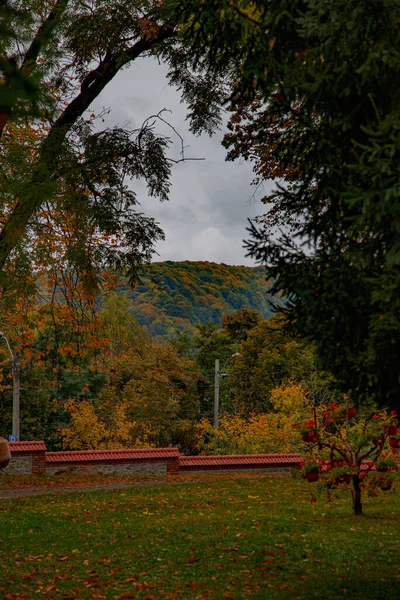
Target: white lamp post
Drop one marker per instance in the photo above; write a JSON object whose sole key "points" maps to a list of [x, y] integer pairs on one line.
{"points": [[16, 386]]}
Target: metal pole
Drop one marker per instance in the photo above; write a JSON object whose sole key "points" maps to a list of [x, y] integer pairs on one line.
{"points": [[216, 393], [16, 394], [16, 388]]}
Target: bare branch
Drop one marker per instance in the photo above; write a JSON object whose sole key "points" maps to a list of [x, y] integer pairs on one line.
{"points": [[160, 118]]}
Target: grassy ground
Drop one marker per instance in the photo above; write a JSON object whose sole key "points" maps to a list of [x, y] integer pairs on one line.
{"points": [[220, 537], [25, 483]]}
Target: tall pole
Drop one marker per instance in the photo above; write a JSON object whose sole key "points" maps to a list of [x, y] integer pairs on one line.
{"points": [[16, 387], [216, 393]]}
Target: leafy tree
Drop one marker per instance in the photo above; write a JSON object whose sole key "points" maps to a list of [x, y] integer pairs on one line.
{"points": [[59, 341], [157, 392], [53, 157], [264, 433], [315, 94], [238, 324], [184, 343], [120, 327], [85, 430], [212, 344], [18, 88], [268, 358], [347, 445]]}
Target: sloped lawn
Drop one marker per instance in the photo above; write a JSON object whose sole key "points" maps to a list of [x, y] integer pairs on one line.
{"points": [[221, 537]]}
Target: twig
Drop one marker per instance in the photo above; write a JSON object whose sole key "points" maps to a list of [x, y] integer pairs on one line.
{"points": [[243, 14]]}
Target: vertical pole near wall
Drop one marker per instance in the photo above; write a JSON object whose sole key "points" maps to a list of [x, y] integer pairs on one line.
{"points": [[216, 393], [16, 392]]}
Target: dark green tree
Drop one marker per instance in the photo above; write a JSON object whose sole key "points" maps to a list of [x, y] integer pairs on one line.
{"points": [[238, 324], [315, 99]]}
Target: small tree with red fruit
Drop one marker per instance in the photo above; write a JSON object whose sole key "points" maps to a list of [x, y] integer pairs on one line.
{"points": [[347, 446]]}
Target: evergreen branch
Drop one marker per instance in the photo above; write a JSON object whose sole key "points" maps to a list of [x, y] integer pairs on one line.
{"points": [[243, 14]]}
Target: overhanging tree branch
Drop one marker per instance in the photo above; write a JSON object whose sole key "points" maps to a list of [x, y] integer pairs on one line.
{"points": [[43, 33], [35, 193]]}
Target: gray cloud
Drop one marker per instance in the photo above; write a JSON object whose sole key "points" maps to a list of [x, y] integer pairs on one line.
{"points": [[210, 200]]}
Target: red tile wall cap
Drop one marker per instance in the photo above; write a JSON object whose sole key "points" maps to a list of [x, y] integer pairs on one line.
{"points": [[98, 455], [26, 446], [240, 459]]}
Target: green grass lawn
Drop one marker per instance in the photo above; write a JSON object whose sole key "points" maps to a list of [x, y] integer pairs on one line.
{"points": [[220, 537]]}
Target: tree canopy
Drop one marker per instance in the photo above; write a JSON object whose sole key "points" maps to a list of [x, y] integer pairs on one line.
{"points": [[61, 173], [315, 105], [313, 88]]}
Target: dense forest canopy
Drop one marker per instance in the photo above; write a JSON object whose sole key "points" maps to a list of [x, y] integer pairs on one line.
{"points": [[184, 294]]}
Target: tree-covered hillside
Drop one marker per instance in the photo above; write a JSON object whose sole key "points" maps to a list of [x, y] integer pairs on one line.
{"points": [[182, 294]]}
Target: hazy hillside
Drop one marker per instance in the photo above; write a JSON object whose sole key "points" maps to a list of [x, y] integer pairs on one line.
{"points": [[181, 294]]}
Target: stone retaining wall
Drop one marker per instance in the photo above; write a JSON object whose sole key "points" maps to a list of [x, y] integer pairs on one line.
{"points": [[146, 461], [19, 465], [266, 470]]}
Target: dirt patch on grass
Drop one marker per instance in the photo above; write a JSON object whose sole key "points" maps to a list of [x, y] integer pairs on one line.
{"points": [[63, 489], [24, 486]]}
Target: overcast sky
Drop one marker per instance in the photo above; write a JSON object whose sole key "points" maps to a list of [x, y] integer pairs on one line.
{"points": [[210, 200]]}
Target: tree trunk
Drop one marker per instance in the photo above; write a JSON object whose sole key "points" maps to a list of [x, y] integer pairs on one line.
{"points": [[356, 492]]}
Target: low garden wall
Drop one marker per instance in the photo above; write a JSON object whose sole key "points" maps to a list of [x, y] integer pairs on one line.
{"points": [[151, 461], [29, 458], [32, 458], [267, 463]]}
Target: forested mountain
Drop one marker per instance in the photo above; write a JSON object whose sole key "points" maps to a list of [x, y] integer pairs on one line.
{"points": [[182, 294]]}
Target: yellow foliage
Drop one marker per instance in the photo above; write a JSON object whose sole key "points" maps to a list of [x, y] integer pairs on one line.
{"points": [[85, 431], [289, 398], [264, 433], [260, 434], [149, 400]]}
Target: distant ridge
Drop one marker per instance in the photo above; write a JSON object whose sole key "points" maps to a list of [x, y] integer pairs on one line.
{"points": [[182, 294]]}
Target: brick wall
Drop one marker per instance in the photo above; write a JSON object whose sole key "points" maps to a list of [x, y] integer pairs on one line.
{"points": [[27, 458], [266, 463], [150, 461], [32, 458]]}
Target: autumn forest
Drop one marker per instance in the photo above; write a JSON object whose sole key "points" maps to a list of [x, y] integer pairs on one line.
{"points": [[295, 361], [135, 366]]}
